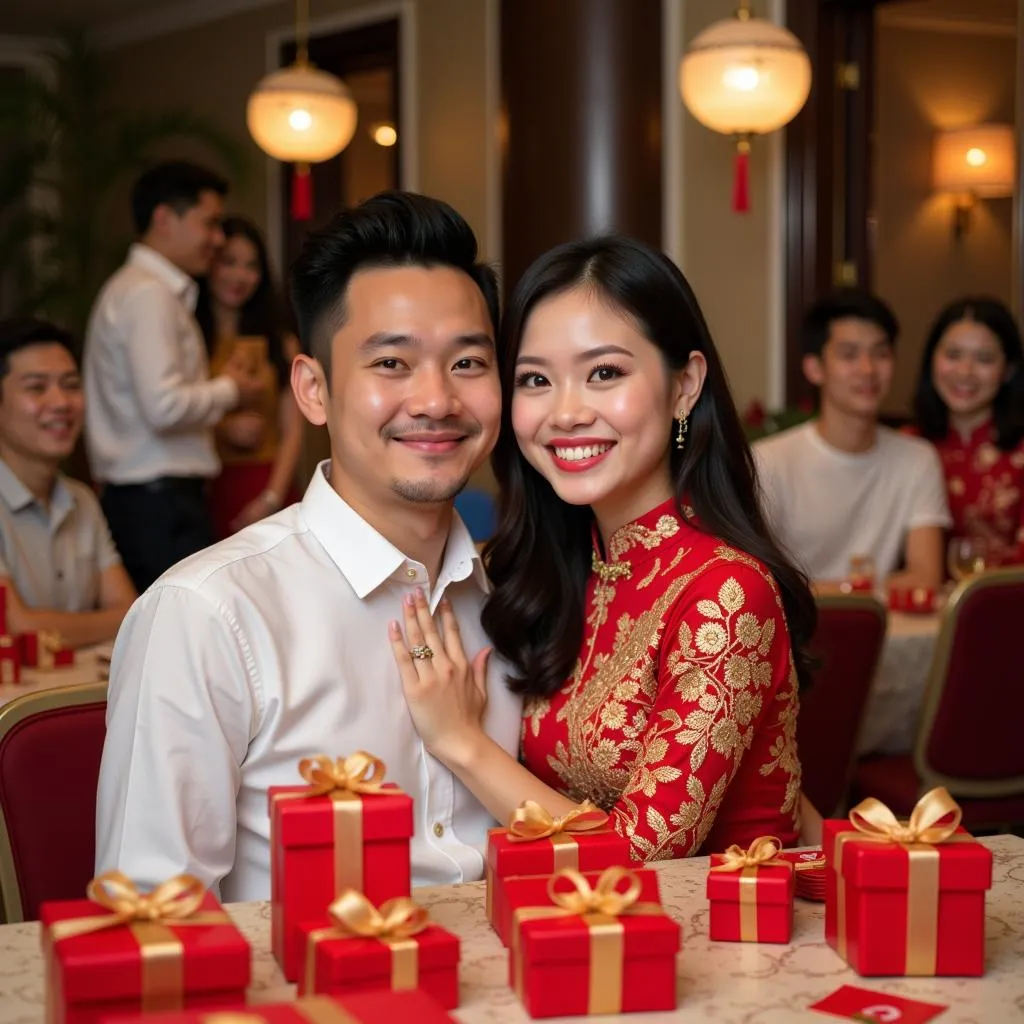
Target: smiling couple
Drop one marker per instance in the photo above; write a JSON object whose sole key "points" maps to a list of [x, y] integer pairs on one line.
{"points": [[647, 632]]}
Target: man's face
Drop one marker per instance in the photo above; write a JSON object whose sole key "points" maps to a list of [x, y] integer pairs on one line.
{"points": [[41, 403], [854, 370], [414, 404], [191, 238]]}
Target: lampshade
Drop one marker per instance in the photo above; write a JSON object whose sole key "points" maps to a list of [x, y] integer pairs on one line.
{"points": [[301, 114], [979, 160], [745, 76]]}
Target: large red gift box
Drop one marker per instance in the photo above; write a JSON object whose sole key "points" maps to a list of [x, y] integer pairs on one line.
{"points": [[338, 963], [537, 844], [321, 845], [140, 965], [10, 660], [606, 959], [45, 649], [906, 898], [364, 1008], [751, 894]]}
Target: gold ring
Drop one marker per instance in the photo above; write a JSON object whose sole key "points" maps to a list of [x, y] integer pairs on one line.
{"points": [[420, 653]]}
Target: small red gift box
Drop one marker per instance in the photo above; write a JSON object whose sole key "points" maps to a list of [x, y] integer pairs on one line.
{"points": [[535, 843], [906, 898], [912, 599], [594, 949], [45, 649], [361, 948], [364, 1008], [345, 830], [190, 956], [751, 894], [10, 660]]}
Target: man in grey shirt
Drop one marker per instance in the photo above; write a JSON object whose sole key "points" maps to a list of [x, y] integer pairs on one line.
{"points": [[58, 563]]}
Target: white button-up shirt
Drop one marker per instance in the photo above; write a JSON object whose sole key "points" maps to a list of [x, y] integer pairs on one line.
{"points": [[149, 402], [261, 650]]}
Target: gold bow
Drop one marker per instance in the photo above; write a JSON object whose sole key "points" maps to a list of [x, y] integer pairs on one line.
{"points": [[763, 852], [530, 821], [48, 644], [394, 924], [358, 773], [603, 898], [872, 818]]}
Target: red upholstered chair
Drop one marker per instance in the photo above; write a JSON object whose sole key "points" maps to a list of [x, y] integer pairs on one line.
{"points": [[50, 747], [848, 642], [969, 732]]}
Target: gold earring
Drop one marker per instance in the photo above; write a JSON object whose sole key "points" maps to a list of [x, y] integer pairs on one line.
{"points": [[684, 426]]}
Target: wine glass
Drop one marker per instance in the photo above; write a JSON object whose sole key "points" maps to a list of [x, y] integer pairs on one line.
{"points": [[967, 556]]}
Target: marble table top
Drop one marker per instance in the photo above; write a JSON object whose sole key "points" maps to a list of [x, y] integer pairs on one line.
{"points": [[721, 982]]}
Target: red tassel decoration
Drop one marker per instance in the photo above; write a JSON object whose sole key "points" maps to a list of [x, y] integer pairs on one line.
{"points": [[741, 178], [302, 193]]}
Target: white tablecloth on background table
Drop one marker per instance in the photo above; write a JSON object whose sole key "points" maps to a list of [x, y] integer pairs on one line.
{"points": [[890, 719], [91, 664]]}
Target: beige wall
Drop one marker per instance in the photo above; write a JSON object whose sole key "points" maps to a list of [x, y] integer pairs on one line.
{"points": [[929, 80]]}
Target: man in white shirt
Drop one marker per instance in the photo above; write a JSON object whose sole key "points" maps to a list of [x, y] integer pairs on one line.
{"points": [[273, 645], [150, 406], [843, 486], [58, 564]]}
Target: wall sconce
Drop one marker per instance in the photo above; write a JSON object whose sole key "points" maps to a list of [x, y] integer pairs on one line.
{"points": [[975, 163]]}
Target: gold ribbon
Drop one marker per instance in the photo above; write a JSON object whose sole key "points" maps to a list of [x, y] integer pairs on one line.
{"points": [[531, 822], [345, 780], [48, 643], [874, 822], [147, 915], [395, 923], [599, 907], [763, 852]]}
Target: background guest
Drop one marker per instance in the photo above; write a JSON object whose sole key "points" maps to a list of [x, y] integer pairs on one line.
{"points": [[842, 485], [57, 560], [970, 405], [259, 448], [150, 405]]}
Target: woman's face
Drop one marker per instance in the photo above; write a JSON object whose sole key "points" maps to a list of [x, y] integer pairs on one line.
{"points": [[594, 405], [968, 368], [235, 273]]}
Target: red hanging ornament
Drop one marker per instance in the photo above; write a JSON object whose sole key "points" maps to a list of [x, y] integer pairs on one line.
{"points": [[302, 193], [741, 177]]}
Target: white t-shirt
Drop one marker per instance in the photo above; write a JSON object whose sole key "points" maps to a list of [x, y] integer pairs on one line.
{"points": [[826, 505]]}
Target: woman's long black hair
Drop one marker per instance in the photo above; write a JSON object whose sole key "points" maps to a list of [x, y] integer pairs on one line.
{"points": [[261, 316], [539, 559], [930, 410]]}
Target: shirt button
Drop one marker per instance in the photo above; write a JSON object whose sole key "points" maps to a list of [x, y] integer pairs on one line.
{"points": [[411, 573], [438, 829]]}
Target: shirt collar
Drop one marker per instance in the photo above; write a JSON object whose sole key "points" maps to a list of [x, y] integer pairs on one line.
{"points": [[183, 286], [16, 496], [366, 558]]}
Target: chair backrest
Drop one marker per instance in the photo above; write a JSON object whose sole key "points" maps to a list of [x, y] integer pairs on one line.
{"points": [[969, 733], [848, 643], [50, 747]]}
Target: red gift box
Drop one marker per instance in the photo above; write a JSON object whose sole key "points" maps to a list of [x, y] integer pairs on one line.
{"points": [[364, 1008], [3, 610], [10, 660], [751, 894], [594, 949], [360, 948], [45, 649], [906, 898], [190, 956], [345, 830], [537, 844], [912, 599]]}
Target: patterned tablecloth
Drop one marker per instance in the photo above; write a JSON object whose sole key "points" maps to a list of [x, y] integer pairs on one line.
{"points": [[723, 982]]}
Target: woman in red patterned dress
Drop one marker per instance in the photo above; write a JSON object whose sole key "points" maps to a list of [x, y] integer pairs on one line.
{"points": [[643, 609], [970, 405]]}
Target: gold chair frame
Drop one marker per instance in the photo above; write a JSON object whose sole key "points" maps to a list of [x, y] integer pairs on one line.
{"points": [[993, 578], [11, 715]]}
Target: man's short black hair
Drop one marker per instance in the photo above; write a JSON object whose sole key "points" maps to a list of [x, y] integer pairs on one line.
{"points": [[176, 183], [392, 229], [21, 332], [845, 303]]}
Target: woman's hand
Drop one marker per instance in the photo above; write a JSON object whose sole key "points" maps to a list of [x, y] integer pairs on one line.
{"points": [[446, 694]]}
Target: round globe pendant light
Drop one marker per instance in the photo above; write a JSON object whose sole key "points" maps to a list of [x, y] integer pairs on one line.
{"points": [[744, 76], [301, 115]]}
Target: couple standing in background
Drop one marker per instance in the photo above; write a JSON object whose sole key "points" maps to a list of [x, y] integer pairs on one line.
{"points": [[647, 633]]}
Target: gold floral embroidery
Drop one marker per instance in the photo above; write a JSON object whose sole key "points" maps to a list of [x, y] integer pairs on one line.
{"points": [[956, 486]]}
